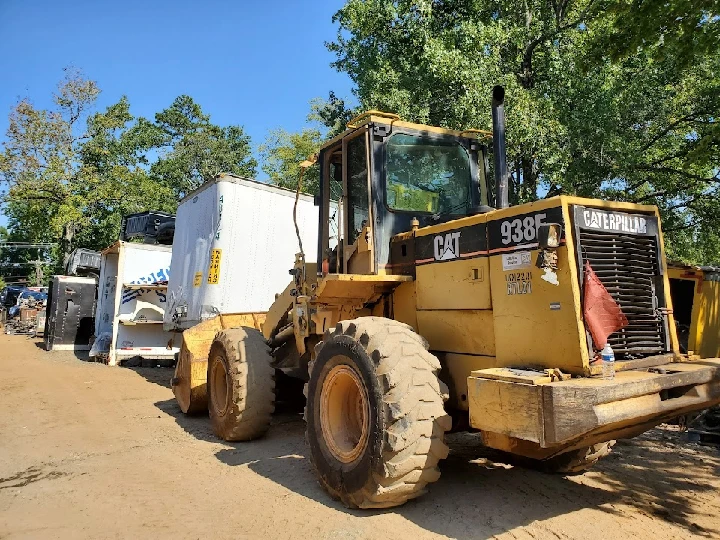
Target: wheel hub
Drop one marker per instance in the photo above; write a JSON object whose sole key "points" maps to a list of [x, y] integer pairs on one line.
{"points": [[344, 413], [220, 387]]}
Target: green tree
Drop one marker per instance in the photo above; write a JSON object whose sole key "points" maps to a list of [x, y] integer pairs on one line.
{"points": [[678, 162], [40, 165], [679, 30], [192, 149], [25, 221], [435, 62], [283, 152], [331, 114], [635, 126], [72, 174], [116, 181]]}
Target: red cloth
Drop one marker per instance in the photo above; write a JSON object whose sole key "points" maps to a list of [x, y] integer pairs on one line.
{"points": [[602, 314]]}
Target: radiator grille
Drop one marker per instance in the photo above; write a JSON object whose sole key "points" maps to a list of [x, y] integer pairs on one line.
{"points": [[627, 265]]}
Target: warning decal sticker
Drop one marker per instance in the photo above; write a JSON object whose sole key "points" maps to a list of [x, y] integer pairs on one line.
{"points": [[214, 270], [517, 260]]}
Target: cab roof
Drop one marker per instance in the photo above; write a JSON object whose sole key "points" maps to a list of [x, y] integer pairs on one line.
{"points": [[378, 117]]}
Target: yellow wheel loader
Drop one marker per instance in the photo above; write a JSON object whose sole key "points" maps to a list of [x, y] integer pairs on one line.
{"points": [[429, 310]]}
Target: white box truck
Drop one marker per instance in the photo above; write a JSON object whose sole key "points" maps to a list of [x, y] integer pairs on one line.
{"points": [[234, 245]]}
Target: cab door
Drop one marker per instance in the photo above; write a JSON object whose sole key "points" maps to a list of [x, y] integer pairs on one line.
{"points": [[358, 251], [345, 245]]}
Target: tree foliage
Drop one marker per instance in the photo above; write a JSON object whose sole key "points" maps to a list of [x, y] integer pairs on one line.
{"points": [[331, 114], [283, 152], [193, 150], [681, 37], [679, 30], [40, 166], [632, 122], [72, 173]]}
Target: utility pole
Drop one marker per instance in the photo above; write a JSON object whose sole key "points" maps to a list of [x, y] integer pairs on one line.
{"points": [[37, 263], [39, 278]]}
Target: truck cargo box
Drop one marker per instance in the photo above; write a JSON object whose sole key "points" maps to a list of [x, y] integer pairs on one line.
{"points": [[234, 244], [132, 297]]}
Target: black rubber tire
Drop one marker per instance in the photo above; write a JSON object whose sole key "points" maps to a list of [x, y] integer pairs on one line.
{"points": [[407, 419], [577, 461], [241, 411]]}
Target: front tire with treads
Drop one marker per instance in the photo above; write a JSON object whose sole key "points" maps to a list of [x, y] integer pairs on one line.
{"points": [[375, 413], [241, 384]]}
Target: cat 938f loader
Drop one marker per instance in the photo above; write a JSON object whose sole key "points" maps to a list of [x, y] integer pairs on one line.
{"points": [[433, 306]]}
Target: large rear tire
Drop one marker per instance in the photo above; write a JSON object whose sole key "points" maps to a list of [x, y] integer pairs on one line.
{"points": [[241, 384], [577, 461], [375, 413]]}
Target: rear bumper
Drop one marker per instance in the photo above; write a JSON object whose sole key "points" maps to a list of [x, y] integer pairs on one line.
{"points": [[562, 414]]}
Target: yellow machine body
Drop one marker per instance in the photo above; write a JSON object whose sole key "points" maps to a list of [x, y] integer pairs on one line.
{"points": [[513, 346], [507, 326], [494, 307]]}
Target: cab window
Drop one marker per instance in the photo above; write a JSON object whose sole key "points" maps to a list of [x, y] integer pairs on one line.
{"points": [[426, 175], [357, 187]]}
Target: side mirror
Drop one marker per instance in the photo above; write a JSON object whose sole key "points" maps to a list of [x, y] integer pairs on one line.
{"points": [[317, 200], [549, 236]]}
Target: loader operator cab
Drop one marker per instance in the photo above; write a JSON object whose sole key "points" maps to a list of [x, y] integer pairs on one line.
{"points": [[382, 173]]}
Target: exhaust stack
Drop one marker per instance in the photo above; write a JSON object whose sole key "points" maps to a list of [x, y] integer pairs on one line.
{"points": [[501, 170]]}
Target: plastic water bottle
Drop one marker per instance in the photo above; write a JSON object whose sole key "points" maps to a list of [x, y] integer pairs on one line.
{"points": [[608, 362]]}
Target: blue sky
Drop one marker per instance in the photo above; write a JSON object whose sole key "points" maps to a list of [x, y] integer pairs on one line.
{"points": [[256, 64]]}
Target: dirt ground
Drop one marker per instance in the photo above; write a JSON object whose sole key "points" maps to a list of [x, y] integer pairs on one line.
{"points": [[90, 451]]}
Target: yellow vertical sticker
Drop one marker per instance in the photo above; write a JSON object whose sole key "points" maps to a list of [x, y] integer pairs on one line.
{"points": [[214, 270], [198, 279]]}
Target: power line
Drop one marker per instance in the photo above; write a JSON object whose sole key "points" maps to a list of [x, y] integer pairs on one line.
{"points": [[24, 245], [30, 263]]}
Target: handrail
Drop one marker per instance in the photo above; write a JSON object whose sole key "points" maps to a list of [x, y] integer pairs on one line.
{"points": [[352, 124], [484, 134]]}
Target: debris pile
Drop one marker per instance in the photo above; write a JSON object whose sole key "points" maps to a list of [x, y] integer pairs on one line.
{"points": [[24, 317], [17, 326]]}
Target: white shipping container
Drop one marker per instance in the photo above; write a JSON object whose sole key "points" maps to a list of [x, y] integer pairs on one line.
{"points": [[234, 245], [131, 305]]}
